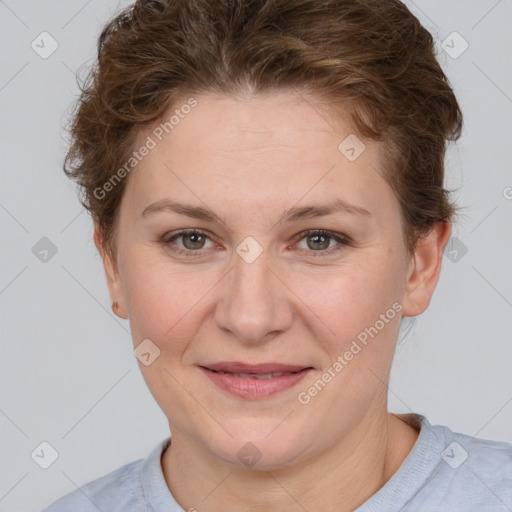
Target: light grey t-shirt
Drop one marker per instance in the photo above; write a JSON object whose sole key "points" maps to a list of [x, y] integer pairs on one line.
{"points": [[444, 472]]}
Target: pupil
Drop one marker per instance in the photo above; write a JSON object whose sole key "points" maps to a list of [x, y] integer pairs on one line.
{"points": [[195, 239], [319, 238]]}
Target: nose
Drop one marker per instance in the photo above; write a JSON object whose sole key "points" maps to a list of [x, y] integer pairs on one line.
{"points": [[254, 303]]}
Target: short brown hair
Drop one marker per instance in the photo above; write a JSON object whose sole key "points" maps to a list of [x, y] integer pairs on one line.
{"points": [[372, 55]]}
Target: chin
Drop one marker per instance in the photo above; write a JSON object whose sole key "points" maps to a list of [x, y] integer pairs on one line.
{"points": [[259, 445]]}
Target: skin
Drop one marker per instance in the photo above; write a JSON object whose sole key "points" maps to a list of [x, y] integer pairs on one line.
{"points": [[249, 159]]}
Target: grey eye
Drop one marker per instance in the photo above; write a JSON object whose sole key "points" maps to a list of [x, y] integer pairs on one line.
{"points": [[193, 240], [318, 241]]}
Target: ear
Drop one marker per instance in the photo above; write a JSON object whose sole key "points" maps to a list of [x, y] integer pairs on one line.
{"points": [[111, 273], [424, 269]]}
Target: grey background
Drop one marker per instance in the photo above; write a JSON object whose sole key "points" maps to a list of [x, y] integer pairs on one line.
{"points": [[68, 374]]}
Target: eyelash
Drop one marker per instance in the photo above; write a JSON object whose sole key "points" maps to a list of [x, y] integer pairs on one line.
{"points": [[342, 240]]}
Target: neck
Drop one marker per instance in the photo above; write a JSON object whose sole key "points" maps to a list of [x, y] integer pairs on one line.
{"points": [[339, 479]]}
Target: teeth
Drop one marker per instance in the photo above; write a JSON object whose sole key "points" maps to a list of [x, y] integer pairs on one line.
{"points": [[259, 375]]}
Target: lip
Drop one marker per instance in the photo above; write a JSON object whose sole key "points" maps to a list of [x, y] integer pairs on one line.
{"points": [[254, 388], [238, 367]]}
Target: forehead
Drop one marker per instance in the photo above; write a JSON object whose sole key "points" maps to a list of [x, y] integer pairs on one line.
{"points": [[277, 120], [275, 147]]}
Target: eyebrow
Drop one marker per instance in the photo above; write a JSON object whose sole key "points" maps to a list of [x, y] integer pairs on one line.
{"points": [[292, 215]]}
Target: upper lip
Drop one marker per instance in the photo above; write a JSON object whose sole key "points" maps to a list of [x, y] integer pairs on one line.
{"points": [[262, 368]]}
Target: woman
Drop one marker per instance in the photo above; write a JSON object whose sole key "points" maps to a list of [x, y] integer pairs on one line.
{"points": [[266, 184]]}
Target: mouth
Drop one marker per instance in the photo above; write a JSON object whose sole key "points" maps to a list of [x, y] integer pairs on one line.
{"points": [[254, 381]]}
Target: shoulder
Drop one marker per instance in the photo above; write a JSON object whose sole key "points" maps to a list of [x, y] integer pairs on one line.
{"points": [[121, 490], [483, 459], [115, 491], [448, 471], [474, 471]]}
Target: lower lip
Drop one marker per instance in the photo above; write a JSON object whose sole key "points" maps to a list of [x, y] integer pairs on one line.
{"points": [[251, 388]]}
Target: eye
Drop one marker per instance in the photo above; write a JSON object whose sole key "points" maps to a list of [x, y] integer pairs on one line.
{"points": [[320, 241], [193, 242]]}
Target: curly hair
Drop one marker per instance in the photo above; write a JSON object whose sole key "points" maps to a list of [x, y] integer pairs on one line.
{"points": [[373, 56]]}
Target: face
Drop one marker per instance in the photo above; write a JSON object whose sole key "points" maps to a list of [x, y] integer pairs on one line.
{"points": [[264, 280]]}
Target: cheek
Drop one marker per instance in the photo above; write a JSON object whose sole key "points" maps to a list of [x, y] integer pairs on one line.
{"points": [[361, 308], [350, 297], [350, 302], [165, 305], [161, 298]]}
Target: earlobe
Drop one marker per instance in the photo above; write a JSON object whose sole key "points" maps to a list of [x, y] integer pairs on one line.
{"points": [[425, 269], [111, 274]]}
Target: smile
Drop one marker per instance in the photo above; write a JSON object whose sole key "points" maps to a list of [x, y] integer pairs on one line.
{"points": [[254, 382], [257, 375]]}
